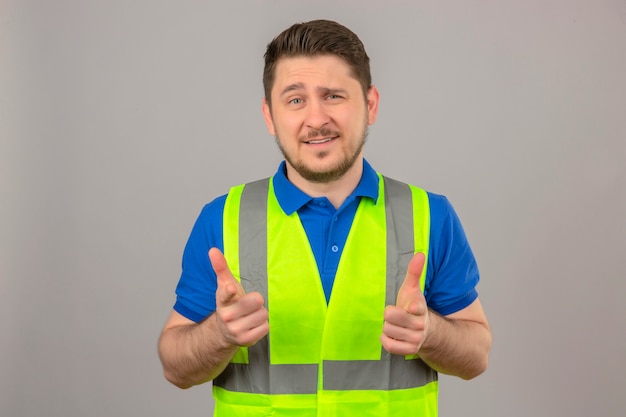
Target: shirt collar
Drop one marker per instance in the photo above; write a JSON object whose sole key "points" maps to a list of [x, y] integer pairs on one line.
{"points": [[291, 198]]}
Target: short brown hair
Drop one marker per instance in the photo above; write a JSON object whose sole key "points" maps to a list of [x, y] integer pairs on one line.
{"points": [[317, 37]]}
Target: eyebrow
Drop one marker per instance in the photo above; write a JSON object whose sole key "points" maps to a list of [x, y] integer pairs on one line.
{"points": [[323, 90], [291, 87], [332, 91]]}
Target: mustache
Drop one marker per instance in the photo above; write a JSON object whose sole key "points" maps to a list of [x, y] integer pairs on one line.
{"points": [[315, 133]]}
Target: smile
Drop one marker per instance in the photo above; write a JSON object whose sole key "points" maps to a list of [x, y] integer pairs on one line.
{"points": [[318, 141]]}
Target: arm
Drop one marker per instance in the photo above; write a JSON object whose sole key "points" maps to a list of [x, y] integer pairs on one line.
{"points": [[192, 353], [457, 344]]}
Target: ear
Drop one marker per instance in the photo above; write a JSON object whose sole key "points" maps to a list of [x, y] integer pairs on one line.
{"points": [[267, 115], [372, 104]]}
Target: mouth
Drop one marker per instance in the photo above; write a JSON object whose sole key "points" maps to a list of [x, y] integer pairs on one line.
{"points": [[320, 141]]}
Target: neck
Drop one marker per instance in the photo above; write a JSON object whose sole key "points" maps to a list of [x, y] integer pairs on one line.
{"points": [[335, 191]]}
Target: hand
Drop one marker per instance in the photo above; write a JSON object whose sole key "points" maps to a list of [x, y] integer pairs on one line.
{"points": [[406, 324], [241, 317]]}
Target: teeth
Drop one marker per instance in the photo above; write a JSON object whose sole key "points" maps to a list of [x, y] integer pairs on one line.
{"points": [[315, 142]]}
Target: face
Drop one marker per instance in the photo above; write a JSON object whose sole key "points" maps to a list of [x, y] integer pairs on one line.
{"points": [[319, 116]]}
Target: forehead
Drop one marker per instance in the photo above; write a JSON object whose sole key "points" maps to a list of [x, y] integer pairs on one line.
{"points": [[317, 71]]}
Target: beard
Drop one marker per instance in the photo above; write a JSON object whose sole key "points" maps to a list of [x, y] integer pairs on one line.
{"points": [[332, 173]]}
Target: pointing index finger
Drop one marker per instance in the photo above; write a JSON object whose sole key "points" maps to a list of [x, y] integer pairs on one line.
{"points": [[228, 288]]}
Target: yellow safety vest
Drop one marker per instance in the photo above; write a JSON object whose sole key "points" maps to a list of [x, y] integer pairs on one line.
{"points": [[319, 359]]}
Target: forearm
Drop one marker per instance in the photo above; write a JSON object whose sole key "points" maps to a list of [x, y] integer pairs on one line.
{"points": [[195, 353], [456, 346]]}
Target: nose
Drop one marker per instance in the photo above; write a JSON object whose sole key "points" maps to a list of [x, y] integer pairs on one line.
{"points": [[317, 115]]}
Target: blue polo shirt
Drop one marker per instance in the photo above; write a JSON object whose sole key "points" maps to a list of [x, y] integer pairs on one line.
{"points": [[451, 277]]}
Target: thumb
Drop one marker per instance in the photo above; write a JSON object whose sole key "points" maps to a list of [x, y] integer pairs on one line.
{"points": [[410, 291], [229, 289]]}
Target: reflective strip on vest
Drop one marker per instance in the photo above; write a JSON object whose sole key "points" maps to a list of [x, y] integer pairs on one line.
{"points": [[246, 249]]}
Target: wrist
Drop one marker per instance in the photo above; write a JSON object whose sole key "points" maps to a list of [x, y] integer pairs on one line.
{"points": [[434, 322]]}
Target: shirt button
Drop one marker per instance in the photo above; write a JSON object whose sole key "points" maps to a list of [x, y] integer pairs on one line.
{"points": [[335, 248], [322, 204]]}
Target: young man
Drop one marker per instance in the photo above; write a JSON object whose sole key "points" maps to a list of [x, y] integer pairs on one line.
{"points": [[327, 289]]}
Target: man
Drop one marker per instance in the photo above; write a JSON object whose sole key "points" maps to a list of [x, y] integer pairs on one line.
{"points": [[340, 292]]}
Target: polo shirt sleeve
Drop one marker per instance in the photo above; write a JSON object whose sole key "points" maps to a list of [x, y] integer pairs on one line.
{"points": [[452, 273], [195, 292]]}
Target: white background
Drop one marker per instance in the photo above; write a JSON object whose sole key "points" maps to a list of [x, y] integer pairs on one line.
{"points": [[120, 119]]}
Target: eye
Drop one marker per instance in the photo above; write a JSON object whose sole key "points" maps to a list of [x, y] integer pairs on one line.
{"points": [[295, 101], [334, 97]]}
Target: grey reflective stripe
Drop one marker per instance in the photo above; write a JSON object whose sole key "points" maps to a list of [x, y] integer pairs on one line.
{"points": [[400, 238], [253, 234], [389, 373], [276, 379]]}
